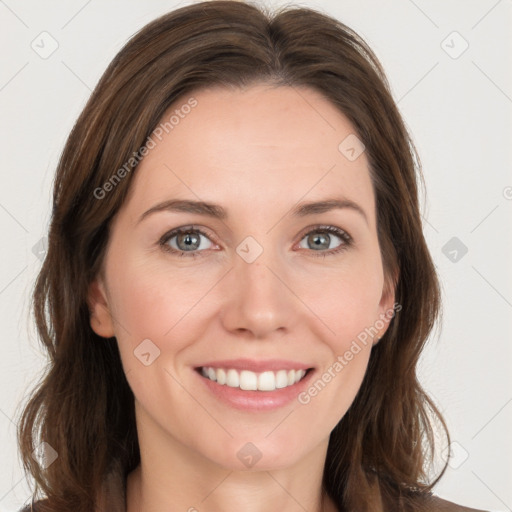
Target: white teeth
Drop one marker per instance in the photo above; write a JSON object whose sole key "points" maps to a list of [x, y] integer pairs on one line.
{"points": [[211, 374], [281, 379], [266, 381], [232, 379], [247, 380], [221, 376]]}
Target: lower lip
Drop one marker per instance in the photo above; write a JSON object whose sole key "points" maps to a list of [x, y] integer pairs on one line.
{"points": [[256, 400]]}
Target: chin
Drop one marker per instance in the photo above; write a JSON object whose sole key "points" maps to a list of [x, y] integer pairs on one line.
{"points": [[267, 451]]}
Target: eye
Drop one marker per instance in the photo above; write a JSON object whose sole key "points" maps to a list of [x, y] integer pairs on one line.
{"points": [[186, 241], [321, 237]]}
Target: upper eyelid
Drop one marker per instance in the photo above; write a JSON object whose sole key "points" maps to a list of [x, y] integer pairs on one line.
{"points": [[323, 227], [191, 228], [204, 231]]}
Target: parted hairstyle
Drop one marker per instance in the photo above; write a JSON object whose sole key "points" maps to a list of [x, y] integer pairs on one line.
{"points": [[383, 447]]}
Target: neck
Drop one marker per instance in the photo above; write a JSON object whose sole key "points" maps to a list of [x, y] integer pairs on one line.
{"points": [[229, 494], [172, 476]]}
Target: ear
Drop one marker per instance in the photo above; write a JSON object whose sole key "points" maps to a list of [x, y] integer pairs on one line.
{"points": [[101, 318], [387, 305]]}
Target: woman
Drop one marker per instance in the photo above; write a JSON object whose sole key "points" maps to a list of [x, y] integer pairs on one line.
{"points": [[237, 288]]}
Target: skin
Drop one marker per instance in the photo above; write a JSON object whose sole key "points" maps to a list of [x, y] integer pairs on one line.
{"points": [[256, 152]]}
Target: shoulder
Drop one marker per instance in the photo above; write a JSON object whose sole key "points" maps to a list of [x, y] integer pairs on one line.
{"points": [[436, 504], [433, 504], [36, 507]]}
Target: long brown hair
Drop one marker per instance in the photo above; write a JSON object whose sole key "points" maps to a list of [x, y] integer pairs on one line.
{"points": [[83, 407]]}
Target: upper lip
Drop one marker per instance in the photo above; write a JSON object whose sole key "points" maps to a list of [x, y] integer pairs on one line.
{"points": [[257, 365]]}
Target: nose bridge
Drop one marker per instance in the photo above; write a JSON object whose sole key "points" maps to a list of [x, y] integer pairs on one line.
{"points": [[259, 301]]}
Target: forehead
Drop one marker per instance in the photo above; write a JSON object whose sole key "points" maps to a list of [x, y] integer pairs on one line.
{"points": [[253, 148]]}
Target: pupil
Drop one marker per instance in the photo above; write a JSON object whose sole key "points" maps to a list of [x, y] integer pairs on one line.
{"points": [[317, 240], [189, 240]]}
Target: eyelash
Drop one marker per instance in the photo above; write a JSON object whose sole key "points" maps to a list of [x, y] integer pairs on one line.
{"points": [[343, 235]]}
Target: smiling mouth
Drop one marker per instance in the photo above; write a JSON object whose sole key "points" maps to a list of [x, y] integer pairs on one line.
{"points": [[252, 381]]}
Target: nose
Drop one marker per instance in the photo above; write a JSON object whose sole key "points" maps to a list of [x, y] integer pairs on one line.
{"points": [[258, 299]]}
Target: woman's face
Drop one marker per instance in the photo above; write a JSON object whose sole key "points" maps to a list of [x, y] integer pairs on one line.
{"points": [[254, 293]]}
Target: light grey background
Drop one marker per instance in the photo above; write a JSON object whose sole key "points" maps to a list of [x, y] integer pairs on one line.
{"points": [[458, 106]]}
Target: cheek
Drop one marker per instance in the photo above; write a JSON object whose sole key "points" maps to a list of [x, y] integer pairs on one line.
{"points": [[346, 300], [348, 307], [154, 302], [152, 299]]}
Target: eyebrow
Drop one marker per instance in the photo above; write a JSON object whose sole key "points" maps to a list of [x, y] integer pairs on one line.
{"points": [[218, 212]]}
